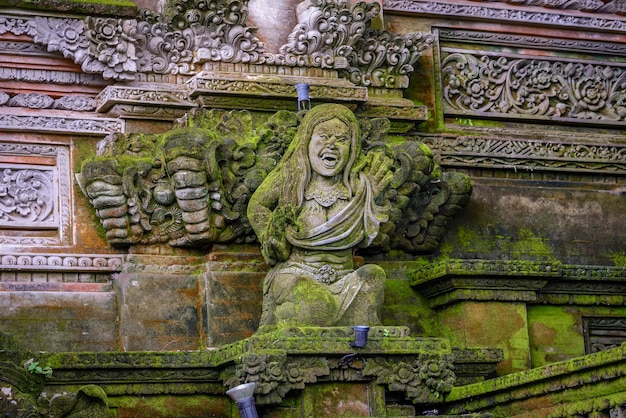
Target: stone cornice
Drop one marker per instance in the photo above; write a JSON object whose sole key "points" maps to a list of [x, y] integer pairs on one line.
{"points": [[605, 154], [281, 361], [101, 263], [48, 121], [474, 37], [511, 14], [552, 282]]}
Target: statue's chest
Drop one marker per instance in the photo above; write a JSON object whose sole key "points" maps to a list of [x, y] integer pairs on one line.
{"points": [[313, 214]]}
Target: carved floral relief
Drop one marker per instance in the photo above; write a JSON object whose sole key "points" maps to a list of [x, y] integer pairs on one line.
{"points": [[27, 196], [333, 34], [533, 88]]}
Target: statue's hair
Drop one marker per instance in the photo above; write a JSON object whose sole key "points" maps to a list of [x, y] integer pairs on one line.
{"points": [[295, 167]]}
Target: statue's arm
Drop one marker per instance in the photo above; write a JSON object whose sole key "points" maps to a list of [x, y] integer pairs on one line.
{"points": [[270, 221]]}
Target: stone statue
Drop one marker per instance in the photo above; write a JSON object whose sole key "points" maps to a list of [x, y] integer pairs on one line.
{"points": [[310, 213]]}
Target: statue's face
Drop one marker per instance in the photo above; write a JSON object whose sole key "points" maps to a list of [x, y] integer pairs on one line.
{"points": [[329, 148]]}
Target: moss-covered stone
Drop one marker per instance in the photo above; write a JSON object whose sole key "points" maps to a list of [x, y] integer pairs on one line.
{"points": [[118, 8]]}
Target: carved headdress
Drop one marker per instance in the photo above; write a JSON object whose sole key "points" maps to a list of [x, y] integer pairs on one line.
{"points": [[295, 168]]}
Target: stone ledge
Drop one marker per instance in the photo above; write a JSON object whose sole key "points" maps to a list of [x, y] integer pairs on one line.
{"points": [[457, 280], [577, 387], [63, 122], [280, 361]]}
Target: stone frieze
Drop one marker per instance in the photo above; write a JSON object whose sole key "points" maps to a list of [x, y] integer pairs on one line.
{"points": [[492, 85], [27, 197], [21, 121], [536, 42], [35, 195], [62, 262], [523, 153], [591, 6], [329, 34], [492, 11]]}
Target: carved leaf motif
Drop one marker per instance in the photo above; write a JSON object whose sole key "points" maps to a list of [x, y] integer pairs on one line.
{"points": [[533, 88]]}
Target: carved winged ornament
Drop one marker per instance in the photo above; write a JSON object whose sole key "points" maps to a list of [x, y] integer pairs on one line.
{"points": [[191, 186]]}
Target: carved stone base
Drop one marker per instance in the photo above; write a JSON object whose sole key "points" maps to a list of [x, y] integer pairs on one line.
{"points": [[281, 360]]}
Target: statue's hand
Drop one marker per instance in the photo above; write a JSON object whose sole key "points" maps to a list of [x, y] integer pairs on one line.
{"points": [[379, 174], [274, 244]]}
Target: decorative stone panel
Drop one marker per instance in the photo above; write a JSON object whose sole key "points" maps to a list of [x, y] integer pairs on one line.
{"points": [[603, 333], [530, 151], [554, 13], [547, 85], [35, 194]]}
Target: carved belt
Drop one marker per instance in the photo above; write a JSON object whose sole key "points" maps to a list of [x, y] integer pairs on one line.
{"points": [[325, 274]]}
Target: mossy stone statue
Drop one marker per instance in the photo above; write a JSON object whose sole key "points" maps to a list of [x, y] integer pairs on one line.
{"points": [[310, 214]]}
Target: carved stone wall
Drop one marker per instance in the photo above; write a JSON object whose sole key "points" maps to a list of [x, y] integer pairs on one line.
{"points": [[526, 98]]}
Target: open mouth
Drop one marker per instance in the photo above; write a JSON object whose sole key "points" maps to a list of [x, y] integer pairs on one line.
{"points": [[329, 159]]}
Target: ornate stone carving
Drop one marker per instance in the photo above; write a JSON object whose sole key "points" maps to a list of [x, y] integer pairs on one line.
{"points": [[31, 100], [43, 101], [62, 262], [27, 197], [17, 26], [280, 361], [12, 121], [196, 190], [423, 378], [533, 88], [35, 197], [275, 375], [49, 76], [330, 34], [597, 6], [473, 11], [523, 153], [561, 44], [603, 333], [335, 34], [21, 392]]}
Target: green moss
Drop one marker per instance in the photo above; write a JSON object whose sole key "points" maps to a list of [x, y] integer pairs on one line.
{"points": [[173, 406], [619, 259], [469, 242], [405, 307], [118, 8]]}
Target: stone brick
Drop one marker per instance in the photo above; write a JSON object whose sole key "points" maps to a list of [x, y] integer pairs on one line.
{"points": [[60, 321], [159, 311]]}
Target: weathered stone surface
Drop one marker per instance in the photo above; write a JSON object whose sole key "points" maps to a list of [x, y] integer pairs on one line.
{"points": [[174, 323], [61, 320]]}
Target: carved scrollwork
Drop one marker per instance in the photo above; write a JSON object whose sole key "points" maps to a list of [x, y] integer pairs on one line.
{"points": [[327, 33], [423, 378], [330, 34], [380, 58], [531, 88], [335, 34], [277, 374], [43, 101]]}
